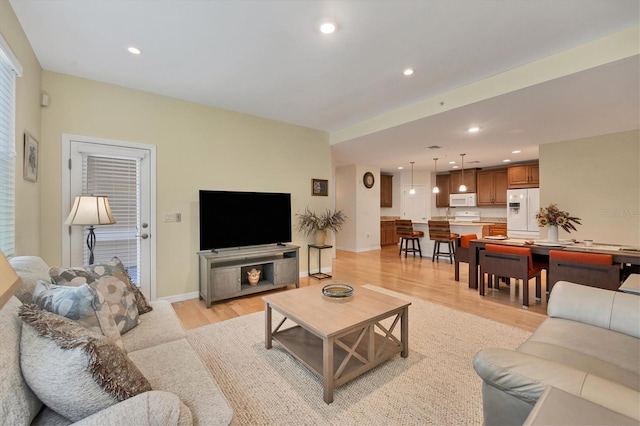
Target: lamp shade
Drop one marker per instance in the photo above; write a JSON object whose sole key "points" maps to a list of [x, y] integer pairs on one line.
{"points": [[9, 281], [90, 210]]}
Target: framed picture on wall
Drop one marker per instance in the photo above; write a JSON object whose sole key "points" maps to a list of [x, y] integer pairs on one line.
{"points": [[31, 159], [319, 187]]}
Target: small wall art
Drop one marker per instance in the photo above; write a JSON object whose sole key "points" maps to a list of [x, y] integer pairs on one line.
{"points": [[30, 158], [319, 187]]}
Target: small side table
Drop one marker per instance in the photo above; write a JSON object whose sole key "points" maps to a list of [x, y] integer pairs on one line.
{"points": [[317, 275]]}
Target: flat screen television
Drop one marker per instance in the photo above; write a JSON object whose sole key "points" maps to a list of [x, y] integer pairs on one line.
{"points": [[238, 219]]}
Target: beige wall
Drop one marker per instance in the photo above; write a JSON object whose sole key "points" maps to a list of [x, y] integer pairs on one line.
{"points": [[27, 120], [598, 180], [198, 147], [362, 207]]}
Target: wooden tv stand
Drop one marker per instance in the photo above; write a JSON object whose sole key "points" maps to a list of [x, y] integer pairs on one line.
{"points": [[223, 273]]}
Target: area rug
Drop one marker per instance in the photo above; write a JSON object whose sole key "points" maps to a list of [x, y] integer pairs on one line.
{"points": [[435, 385]]}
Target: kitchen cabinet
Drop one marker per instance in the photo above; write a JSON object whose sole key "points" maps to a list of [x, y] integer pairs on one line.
{"points": [[498, 229], [388, 233], [469, 180], [524, 176], [492, 187], [386, 190], [443, 182]]}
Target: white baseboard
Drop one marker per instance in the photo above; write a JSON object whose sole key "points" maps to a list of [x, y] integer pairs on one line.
{"points": [[181, 297]]}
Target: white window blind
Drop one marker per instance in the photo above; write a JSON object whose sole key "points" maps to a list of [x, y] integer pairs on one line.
{"points": [[119, 180], [9, 69]]}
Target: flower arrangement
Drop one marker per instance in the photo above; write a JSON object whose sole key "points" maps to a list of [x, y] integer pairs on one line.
{"points": [[309, 222], [552, 215]]}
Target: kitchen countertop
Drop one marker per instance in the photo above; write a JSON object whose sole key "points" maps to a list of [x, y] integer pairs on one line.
{"points": [[388, 218]]}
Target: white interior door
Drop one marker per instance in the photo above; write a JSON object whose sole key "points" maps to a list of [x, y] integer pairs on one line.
{"points": [[416, 206], [124, 172]]}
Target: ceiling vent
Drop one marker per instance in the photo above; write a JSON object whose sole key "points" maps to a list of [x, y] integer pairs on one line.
{"points": [[473, 162], [433, 147]]}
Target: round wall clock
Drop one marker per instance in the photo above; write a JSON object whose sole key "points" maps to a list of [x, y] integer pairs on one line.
{"points": [[368, 180]]}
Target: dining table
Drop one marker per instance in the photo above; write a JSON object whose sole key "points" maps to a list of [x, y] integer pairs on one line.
{"points": [[622, 254]]}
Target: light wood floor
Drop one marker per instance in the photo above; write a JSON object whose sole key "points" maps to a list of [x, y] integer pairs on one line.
{"points": [[417, 277]]}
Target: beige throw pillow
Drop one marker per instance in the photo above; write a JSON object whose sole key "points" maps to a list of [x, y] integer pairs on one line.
{"points": [[71, 369]]}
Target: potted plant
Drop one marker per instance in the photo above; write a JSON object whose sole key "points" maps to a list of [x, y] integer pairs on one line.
{"points": [[553, 217], [310, 222]]}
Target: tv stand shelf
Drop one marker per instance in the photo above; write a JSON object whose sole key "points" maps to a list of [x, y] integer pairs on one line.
{"points": [[223, 273]]}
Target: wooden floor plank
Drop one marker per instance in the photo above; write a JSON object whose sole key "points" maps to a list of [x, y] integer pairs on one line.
{"points": [[417, 277]]}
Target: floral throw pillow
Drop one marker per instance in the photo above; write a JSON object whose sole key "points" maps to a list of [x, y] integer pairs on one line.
{"points": [[117, 294], [83, 304], [91, 273]]}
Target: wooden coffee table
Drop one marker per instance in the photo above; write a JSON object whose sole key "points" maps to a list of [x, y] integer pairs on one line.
{"points": [[338, 340]]}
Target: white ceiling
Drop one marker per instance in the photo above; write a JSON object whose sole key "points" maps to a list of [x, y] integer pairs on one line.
{"points": [[267, 58]]}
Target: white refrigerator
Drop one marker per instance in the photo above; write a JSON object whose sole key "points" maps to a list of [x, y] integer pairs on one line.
{"points": [[522, 206]]}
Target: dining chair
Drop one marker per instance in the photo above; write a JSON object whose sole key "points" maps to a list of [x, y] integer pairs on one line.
{"points": [[462, 252], [591, 269], [404, 230], [440, 232], [512, 262]]}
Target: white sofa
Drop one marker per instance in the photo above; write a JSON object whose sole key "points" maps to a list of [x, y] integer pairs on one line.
{"points": [[589, 347], [183, 390]]}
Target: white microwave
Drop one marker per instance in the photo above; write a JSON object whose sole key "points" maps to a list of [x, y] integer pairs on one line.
{"points": [[462, 200]]}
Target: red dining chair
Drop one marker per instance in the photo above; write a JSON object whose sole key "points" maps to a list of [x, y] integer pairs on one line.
{"points": [[462, 252], [513, 262], [591, 269]]}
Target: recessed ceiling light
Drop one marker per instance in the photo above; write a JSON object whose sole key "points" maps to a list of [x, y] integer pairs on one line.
{"points": [[506, 160], [134, 50], [407, 72], [455, 167], [452, 162], [473, 129], [517, 151], [327, 27], [400, 167]]}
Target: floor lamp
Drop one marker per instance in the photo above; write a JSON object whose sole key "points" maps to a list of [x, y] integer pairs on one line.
{"points": [[90, 210]]}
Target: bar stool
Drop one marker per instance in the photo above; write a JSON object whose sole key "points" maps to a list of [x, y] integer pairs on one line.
{"points": [[440, 232], [404, 229], [591, 269]]}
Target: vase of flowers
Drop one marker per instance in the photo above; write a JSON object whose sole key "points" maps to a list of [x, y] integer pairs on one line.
{"points": [[311, 222], [553, 217]]}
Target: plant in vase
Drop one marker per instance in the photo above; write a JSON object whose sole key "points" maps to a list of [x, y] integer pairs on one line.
{"points": [[310, 223], [553, 217]]}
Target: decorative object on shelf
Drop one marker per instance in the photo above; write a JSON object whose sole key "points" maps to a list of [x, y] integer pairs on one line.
{"points": [[337, 290], [253, 276], [311, 223], [553, 217], [368, 180], [320, 187], [436, 190], [90, 210], [30, 167], [412, 190], [463, 187]]}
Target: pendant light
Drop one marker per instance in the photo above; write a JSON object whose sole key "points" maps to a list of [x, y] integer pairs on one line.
{"points": [[412, 191], [436, 190], [463, 187]]}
